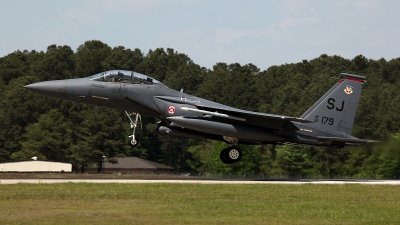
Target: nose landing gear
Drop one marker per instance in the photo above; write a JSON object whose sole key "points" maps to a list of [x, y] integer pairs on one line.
{"points": [[134, 123]]}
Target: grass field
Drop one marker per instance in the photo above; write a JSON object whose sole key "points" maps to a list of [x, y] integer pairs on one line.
{"points": [[84, 203]]}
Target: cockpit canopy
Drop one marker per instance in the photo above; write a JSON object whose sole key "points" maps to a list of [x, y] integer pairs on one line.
{"points": [[124, 76]]}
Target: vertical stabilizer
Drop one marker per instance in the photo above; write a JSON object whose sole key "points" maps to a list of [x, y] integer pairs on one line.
{"points": [[321, 99], [336, 110]]}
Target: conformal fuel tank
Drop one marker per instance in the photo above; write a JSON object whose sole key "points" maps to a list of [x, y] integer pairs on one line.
{"points": [[225, 128]]}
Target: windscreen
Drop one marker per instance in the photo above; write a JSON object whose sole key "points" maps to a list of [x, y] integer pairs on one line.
{"points": [[124, 76]]}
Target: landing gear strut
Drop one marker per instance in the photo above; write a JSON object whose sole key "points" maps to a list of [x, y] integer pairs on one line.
{"points": [[134, 123], [231, 155]]}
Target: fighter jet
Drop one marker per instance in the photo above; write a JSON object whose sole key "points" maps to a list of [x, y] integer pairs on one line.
{"points": [[327, 123]]}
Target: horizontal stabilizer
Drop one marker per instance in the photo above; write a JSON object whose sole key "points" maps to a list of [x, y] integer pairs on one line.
{"points": [[348, 140]]}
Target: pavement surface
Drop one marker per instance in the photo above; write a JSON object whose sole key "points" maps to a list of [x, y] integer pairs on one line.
{"points": [[146, 181]]}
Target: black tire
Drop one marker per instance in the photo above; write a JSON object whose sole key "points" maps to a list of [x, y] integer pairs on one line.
{"points": [[231, 155], [223, 156], [134, 144]]}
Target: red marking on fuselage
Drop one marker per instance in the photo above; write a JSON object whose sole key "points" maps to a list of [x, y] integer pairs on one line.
{"points": [[171, 109]]}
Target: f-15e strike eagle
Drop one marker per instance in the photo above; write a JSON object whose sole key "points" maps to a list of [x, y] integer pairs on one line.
{"points": [[327, 123]]}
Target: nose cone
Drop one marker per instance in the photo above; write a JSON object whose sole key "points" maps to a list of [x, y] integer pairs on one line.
{"points": [[55, 89]]}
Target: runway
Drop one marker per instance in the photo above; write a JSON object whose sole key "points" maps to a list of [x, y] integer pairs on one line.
{"points": [[145, 181]]}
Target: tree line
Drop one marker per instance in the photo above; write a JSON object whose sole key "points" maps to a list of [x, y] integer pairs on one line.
{"points": [[34, 125]]}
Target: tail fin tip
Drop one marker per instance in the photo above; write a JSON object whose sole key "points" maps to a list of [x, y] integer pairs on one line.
{"points": [[354, 77]]}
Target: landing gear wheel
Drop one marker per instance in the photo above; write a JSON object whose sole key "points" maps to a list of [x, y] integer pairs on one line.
{"points": [[234, 154], [134, 142], [134, 123], [231, 155]]}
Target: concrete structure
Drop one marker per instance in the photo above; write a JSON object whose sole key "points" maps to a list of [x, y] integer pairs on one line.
{"points": [[35, 166], [133, 165]]}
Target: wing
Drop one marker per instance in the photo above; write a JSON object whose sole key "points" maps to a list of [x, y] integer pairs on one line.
{"points": [[234, 112], [216, 110]]}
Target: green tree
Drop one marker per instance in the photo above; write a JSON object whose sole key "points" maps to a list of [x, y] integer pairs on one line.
{"points": [[159, 63], [293, 161], [188, 76], [101, 133], [360, 63], [18, 109], [58, 63], [331, 161], [287, 89], [384, 161], [121, 58], [231, 85], [89, 58], [14, 65], [50, 137]]}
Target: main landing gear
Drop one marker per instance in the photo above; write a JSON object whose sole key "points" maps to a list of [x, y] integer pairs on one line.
{"points": [[231, 155], [134, 123]]}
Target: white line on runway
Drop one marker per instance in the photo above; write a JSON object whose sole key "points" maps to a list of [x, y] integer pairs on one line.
{"points": [[136, 181]]}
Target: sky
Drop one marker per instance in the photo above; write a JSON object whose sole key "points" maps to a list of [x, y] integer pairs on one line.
{"points": [[261, 32]]}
